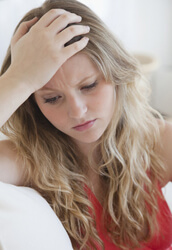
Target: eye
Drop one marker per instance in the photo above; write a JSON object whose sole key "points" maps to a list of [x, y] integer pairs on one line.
{"points": [[91, 86], [52, 100]]}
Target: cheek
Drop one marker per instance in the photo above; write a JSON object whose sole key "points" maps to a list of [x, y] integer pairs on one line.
{"points": [[106, 98], [47, 112], [53, 114]]}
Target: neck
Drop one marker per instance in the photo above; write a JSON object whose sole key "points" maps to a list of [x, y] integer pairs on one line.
{"points": [[85, 148]]}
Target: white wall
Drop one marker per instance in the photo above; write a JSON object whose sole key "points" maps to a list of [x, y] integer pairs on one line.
{"points": [[146, 26]]}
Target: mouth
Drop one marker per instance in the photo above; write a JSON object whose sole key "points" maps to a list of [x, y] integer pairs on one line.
{"points": [[84, 126]]}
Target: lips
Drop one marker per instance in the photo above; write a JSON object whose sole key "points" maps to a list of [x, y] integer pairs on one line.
{"points": [[85, 125]]}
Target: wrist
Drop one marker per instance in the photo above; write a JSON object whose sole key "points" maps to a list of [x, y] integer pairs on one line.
{"points": [[13, 93], [17, 81]]}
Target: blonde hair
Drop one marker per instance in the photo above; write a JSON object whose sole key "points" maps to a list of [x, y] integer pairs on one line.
{"points": [[129, 166]]}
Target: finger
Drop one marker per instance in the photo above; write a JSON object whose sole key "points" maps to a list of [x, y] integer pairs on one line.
{"points": [[23, 29], [67, 34], [62, 21], [50, 16], [75, 47]]}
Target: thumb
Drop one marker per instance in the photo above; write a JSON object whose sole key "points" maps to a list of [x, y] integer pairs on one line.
{"points": [[23, 29]]}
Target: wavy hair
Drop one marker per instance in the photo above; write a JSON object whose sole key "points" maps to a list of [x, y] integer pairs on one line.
{"points": [[129, 164]]}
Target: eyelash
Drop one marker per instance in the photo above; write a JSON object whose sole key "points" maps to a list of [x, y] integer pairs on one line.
{"points": [[91, 86], [51, 100], [56, 98]]}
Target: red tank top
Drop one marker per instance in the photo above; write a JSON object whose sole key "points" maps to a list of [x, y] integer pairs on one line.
{"points": [[162, 241]]}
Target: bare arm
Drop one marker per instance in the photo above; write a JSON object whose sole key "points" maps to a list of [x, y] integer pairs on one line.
{"points": [[36, 56], [37, 52], [165, 150], [12, 94], [11, 168]]}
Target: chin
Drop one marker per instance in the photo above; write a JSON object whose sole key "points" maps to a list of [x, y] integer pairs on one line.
{"points": [[89, 139]]}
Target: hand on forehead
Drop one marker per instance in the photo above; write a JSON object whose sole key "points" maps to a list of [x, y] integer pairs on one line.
{"points": [[74, 71]]}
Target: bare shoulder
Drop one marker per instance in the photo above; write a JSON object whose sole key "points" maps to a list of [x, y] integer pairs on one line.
{"points": [[10, 165], [166, 149]]}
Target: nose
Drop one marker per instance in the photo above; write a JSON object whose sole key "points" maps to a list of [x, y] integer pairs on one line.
{"points": [[76, 107]]}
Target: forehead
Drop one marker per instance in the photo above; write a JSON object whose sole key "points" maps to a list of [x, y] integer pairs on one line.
{"points": [[73, 71]]}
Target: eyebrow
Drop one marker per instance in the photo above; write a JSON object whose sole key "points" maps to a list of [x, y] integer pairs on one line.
{"points": [[79, 83]]}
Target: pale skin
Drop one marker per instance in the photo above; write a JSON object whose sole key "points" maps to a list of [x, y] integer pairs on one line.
{"points": [[78, 96], [58, 76]]}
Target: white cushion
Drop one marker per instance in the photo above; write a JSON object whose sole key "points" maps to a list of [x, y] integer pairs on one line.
{"points": [[27, 221]]}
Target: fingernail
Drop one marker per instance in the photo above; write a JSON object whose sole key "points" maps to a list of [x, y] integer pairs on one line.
{"points": [[86, 38], [80, 17], [88, 28], [35, 18]]}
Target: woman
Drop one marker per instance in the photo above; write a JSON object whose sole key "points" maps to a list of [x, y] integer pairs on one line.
{"points": [[81, 130]]}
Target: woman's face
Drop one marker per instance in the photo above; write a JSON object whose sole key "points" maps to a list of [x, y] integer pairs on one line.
{"points": [[78, 101]]}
